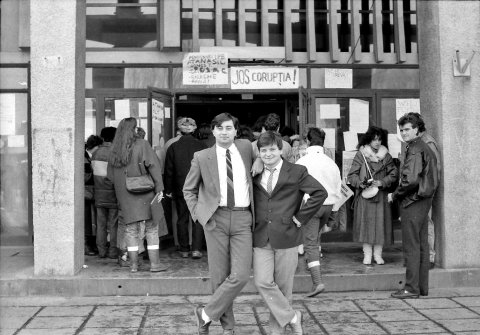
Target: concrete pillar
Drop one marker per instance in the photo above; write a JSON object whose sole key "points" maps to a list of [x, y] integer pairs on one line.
{"points": [[451, 109], [58, 121]]}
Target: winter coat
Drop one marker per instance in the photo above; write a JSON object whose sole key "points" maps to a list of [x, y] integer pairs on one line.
{"points": [[136, 206], [104, 190], [372, 218]]}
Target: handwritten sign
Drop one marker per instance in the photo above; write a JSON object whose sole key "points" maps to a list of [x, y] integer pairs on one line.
{"points": [[404, 106], [338, 78], [260, 77], [201, 68]]}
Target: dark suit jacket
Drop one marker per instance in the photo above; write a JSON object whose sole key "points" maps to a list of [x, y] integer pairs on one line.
{"points": [[274, 213], [177, 163], [202, 186]]}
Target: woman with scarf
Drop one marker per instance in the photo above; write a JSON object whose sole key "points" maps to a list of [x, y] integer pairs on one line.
{"points": [[372, 218]]}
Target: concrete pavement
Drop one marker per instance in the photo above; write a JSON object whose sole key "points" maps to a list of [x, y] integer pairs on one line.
{"points": [[444, 311]]}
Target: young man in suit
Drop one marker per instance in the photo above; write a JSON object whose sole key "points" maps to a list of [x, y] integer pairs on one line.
{"points": [[278, 194], [219, 194]]}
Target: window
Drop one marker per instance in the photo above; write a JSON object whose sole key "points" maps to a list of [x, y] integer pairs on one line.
{"points": [[122, 24], [125, 77]]}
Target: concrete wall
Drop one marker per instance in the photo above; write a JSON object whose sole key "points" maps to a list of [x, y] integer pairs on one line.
{"points": [[451, 106], [58, 116]]}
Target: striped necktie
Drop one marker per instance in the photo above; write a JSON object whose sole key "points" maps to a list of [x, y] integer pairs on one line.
{"points": [[270, 180], [230, 190]]}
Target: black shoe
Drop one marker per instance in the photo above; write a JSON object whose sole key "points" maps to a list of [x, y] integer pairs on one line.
{"points": [[404, 294], [432, 265], [89, 251], [202, 326]]}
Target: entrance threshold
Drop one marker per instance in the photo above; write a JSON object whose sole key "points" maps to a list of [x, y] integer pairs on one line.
{"points": [[342, 271]]}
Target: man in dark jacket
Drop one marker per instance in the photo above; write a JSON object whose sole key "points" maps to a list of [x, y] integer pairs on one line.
{"points": [[177, 164], [418, 182], [105, 199], [278, 194]]}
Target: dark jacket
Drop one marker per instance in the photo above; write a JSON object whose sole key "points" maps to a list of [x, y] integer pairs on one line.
{"points": [[418, 173], [136, 206], [104, 190], [178, 161], [274, 213]]}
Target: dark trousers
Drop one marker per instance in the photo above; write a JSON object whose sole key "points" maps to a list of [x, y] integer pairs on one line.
{"points": [[107, 221], [311, 233], [415, 245], [182, 227], [167, 211]]}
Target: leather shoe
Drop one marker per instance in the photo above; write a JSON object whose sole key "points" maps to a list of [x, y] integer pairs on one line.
{"points": [[316, 290], [196, 254], [404, 294], [202, 326], [297, 327]]}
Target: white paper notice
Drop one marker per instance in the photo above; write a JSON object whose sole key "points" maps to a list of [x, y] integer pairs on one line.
{"points": [[7, 114], [347, 160], [330, 137], [114, 123], [330, 111], [122, 109], [16, 141], [359, 115], [350, 139], [142, 109], [404, 106], [394, 145], [167, 112], [338, 78]]}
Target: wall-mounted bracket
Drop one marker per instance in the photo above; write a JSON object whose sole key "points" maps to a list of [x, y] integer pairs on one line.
{"points": [[461, 66]]}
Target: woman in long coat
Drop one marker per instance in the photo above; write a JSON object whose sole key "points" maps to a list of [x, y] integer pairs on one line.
{"points": [[372, 218], [133, 156]]}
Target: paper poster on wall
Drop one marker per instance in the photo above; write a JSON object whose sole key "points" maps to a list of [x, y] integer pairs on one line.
{"points": [[7, 114], [345, 194], [167, 112], [329, 111], [350, 139], [142, 109], [394, 145], [157, 111], [330, 137], [16, 141], [262, 77], [404, 106], [359, 115], [203, 68], [114, 123], [122, 109], [347, 160], [338, 78]]}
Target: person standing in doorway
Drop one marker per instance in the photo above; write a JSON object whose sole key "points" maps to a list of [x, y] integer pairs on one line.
{"points": [[272, 123], [177, 164], [219, 194], [278, 194], [418, 182], [326, 172]]}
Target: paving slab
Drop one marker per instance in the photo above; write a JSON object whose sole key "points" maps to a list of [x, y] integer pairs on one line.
{"points": [[66, 311], [52, 322], [353, 329], [170, 322], [109, 331], [14, 322], [426, 303], [173, 309], [461, 325], [113, 321], [449, 313], [47, 332], [412, 327], [331, 305], [341, 317], [468, 301], [109, 311], [383, 304], [8, 312], [396, 315]]}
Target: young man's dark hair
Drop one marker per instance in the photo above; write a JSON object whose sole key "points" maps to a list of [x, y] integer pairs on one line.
{"points": [[421, 123], [316, 136], [93, 141], [108, 134], [221, 118], [272, 122], [411, 118], [269, 138]]}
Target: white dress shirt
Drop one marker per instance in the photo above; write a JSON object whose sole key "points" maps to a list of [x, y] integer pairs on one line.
{"points": [[240, 182], [266, 175], [324, 170]]}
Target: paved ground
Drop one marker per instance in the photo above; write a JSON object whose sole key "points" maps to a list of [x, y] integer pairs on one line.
{"points": [[445, 311]]}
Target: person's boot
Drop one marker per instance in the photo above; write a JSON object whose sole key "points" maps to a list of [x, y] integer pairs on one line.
{"points": [[367, 254], [377, 254], [318, 286], [155, 265], [133, 257]]}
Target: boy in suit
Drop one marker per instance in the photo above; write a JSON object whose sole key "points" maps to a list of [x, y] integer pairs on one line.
{"points": [[278, 194]]}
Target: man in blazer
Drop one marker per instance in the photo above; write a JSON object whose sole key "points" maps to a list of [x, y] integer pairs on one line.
{"points": [[219, 194], [279, 214]]}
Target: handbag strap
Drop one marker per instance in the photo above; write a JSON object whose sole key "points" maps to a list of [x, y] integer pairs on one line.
{"points": [[366, 163], [141, 171]]}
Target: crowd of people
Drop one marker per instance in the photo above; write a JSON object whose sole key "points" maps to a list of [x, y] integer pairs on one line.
{"points": [[255, 196]]}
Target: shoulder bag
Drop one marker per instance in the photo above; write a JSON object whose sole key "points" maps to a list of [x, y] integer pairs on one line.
{"points": [[371, 190], [141, 184]]}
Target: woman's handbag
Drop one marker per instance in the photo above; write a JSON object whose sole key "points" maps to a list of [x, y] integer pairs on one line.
{"points": [[371, 190], [141, 184]]}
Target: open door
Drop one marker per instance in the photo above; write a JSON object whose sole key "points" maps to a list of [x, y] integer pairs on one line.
{"points": [[304, 108], [160, 113]]}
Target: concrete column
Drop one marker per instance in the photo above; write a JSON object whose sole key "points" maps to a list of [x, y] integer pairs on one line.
{"points": [[58, 121], [450, 106]]}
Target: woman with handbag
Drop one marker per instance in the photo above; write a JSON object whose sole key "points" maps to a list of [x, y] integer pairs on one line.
{"points": [[373, 174], [135, 171]]}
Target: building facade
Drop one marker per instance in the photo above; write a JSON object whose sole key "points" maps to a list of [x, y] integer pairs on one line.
{"points": [[359, 63]]}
